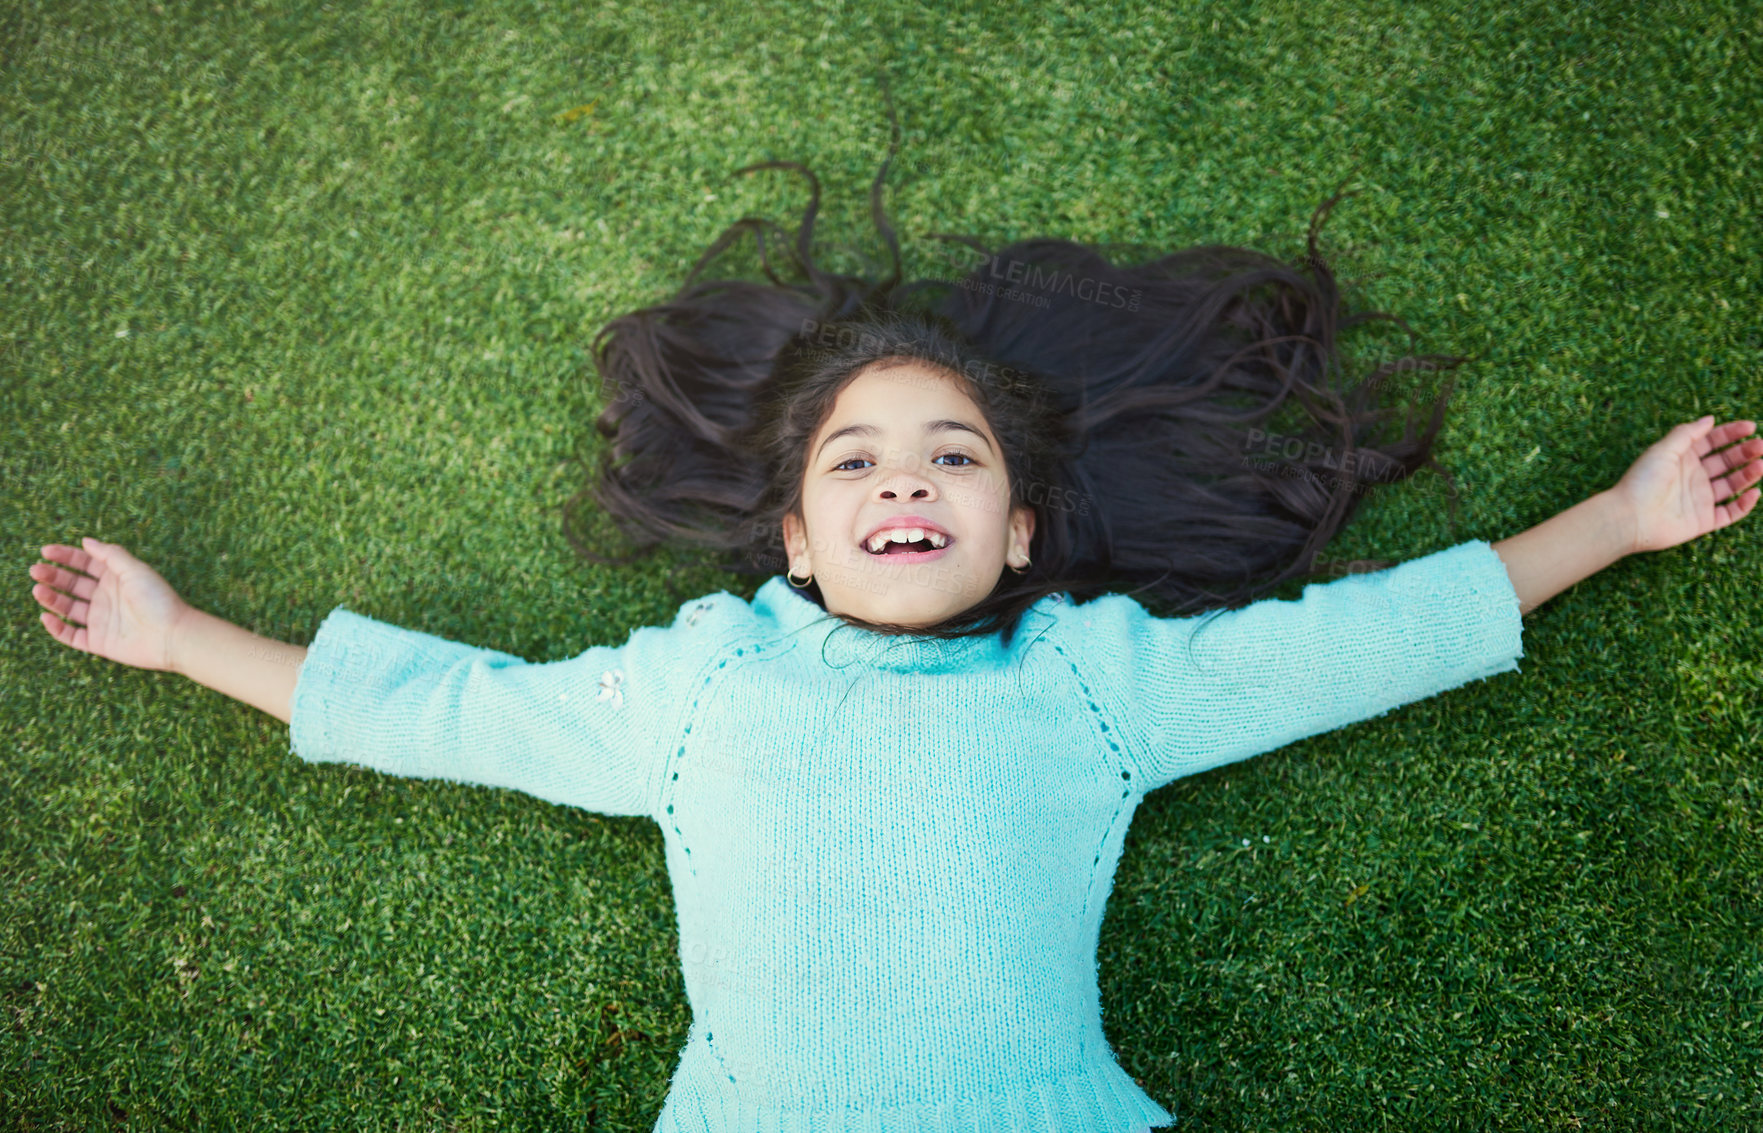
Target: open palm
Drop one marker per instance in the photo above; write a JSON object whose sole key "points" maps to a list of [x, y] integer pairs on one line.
{"points": [[127, 611], [1673, 490]]}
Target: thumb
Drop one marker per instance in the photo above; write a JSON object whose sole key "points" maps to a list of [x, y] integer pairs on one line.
{"points": [[104, 552], [1686, 434]]}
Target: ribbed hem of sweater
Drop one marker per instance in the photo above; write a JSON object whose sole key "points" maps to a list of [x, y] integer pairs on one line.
{"points": [[1097, 1099]]}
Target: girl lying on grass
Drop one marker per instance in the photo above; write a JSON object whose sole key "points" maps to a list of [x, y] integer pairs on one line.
{"points": [[893, 787]]}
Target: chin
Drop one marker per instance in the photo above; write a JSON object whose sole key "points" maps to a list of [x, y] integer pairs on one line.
{"points": [[907, 605]]}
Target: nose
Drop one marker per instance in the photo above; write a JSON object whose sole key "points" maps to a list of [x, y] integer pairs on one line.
{"points": [[907, 477], [915, 488]]}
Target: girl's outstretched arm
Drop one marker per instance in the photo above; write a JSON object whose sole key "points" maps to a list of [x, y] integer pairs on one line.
{"points": [[230, 659], [1669, 496], [104, 601], [588, 731], [1189, 694], [1567, 547]]}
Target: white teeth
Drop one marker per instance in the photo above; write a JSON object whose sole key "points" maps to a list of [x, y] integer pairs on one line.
{"points": [[905, 535]]}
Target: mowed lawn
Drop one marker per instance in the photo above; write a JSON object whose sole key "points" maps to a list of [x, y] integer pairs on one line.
{"points": [[297, 305]]}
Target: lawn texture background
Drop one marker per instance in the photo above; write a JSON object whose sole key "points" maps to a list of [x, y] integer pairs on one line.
{"points": [[297, 308]]}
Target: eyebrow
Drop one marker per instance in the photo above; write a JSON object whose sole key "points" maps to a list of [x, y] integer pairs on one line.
{"points": [[942, 426]]}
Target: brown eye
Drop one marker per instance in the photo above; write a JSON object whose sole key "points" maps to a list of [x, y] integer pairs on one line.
{"points": [[840, 467]]}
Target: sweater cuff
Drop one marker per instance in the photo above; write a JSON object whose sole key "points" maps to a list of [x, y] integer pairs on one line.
{"points": [[1501, 633], [337, 653]]}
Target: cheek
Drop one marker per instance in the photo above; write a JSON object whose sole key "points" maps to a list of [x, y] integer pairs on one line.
{"points": [[829, 516]]}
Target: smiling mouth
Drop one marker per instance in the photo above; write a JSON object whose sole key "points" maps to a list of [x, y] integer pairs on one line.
{"points": [[904, 553], [904, 549], [922, 550]]}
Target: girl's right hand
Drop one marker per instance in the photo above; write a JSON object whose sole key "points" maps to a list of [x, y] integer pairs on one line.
{"points": [[128, 611]]}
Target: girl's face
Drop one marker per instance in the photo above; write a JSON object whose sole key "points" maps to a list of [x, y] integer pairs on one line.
{"points": [[924, 450]]}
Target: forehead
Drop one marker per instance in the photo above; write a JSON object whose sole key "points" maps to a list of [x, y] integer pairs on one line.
{"points": [[899, 389]]}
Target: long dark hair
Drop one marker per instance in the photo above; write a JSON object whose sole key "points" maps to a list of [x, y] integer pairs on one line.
{"points": [[1135, 407]]}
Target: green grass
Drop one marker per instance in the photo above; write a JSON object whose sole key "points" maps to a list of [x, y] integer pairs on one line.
{"points": [[297, 306]]}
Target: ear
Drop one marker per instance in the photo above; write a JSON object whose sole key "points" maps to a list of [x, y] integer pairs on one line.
{"points": [[795, 538], [1022, 526]]}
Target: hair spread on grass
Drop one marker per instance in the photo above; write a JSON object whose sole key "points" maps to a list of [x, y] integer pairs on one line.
{"points": [[1179, 425]]}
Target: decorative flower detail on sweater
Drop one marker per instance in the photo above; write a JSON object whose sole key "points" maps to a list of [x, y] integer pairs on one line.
{"points": [[698, 611], [611, 687]]}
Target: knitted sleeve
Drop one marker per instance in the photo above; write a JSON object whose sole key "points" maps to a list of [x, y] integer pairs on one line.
{"points": [[586, 732], [1190, 694]]}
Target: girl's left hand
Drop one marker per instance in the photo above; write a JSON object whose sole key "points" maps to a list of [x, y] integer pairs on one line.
{"points": [[1670, 492]]}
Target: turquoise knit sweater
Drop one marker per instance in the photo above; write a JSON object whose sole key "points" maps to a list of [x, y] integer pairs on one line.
{"points": [[890, 856]]}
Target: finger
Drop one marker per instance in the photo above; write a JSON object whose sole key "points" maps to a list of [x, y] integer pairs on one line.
{"points": [[1724, 435], [1719, 463], [79, 585], [114, 555], [1686, 436], [62, 553], [1726, 514], [104, 554], [96, 555], [57, 628], [1735, 482], [72, 636], [61, 603], [79, 558]]}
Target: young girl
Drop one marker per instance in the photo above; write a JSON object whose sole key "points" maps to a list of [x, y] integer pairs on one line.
{"points": [[893, 786]]}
